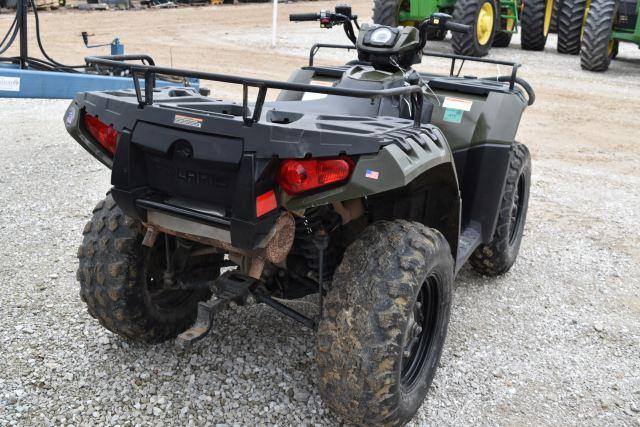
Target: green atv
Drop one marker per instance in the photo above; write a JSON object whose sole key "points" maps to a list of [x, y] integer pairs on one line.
{"points": [[594, 29], [368, 184], [493, 21]]}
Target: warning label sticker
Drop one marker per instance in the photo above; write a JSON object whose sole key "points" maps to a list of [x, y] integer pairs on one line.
{"points": [[457, 103], [10, 84], [187, 121]]}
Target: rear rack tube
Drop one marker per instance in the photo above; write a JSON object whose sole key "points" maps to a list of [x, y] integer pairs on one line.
{"points": [[150, 71]]}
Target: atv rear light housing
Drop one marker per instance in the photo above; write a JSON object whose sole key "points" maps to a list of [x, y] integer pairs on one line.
{"points": [[106, 135], [299, 176]]}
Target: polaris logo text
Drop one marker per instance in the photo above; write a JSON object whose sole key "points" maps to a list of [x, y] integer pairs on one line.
{"points": [[185, 176]]}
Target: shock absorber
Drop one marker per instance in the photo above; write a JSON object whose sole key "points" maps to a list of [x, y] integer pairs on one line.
{"points": [[303, 258]]}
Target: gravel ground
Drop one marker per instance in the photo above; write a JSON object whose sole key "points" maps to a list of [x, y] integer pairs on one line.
{"points": [[553, 342]]}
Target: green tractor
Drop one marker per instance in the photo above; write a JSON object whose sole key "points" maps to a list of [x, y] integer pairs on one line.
{"points": [[595, 28], [493, 21], [608, 23]]}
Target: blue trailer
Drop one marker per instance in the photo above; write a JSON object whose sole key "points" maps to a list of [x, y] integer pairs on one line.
{"points": [[27, 77]]}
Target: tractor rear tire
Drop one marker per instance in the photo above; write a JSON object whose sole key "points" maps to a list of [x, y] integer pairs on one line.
{"points": [[534, 23], [385, 12], [615, 49], [500, 254], [473, 13], [120, 279], [384, 323], [557, 6], [502, 39], [570, 22], [597, 49]]}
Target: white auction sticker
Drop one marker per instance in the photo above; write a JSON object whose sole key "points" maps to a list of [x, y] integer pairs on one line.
{"points": [[10, 84], [457, 103]]}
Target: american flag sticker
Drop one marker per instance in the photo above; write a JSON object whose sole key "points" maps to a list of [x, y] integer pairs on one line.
{"points": [[372, 174]]}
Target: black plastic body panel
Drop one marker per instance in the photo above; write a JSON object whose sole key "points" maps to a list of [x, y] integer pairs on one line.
{"points": [[212, 192], [482, 173], [199, 146]]}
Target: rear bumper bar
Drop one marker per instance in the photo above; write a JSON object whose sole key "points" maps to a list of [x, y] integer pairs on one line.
{"points": [[244, 234]]}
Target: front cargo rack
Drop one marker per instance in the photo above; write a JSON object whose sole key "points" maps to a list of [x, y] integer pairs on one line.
{"points": [[454, 58], [148, 70]]}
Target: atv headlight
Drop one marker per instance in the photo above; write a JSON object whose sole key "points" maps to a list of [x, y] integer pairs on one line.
{"points": [[382, 36]]}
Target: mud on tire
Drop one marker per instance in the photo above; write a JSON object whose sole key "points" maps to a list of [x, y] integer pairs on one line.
{"points": [[374, 369], [500, 254], [117, 282]]}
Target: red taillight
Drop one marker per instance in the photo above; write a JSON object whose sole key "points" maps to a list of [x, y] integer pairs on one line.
{"points": [[298, 176], [103, 133]]}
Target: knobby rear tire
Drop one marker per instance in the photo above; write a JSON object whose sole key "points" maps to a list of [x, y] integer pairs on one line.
{"points": [[114, 282], [365, 373]]}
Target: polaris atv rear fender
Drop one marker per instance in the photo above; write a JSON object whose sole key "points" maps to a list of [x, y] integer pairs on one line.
{"points": [[394, 166]]}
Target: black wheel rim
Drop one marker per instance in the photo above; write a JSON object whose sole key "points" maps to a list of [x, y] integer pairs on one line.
{"points": [[516, 210], [420, 334]]}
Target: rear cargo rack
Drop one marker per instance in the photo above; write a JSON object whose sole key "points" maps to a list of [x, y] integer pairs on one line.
{"points": [[148, 70]]}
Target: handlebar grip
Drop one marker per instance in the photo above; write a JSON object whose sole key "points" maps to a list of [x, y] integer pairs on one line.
{"points": [[300, 17], [457, 28]]}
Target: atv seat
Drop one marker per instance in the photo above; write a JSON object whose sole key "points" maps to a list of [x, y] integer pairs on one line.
{"points": [[332, 72], [335, 72], [290, 111]]}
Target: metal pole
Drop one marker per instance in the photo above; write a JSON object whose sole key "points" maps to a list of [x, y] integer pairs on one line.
{"points": [[274, 23], [24, 10]]}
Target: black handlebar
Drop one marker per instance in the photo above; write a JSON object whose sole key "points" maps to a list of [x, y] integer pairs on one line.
{"points": [[301, 17], [441, 21], [341, 16], [457, 28]]}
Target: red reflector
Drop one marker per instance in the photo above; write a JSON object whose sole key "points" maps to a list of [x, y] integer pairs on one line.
{"points": [[265, 203], [104, 134], [298, 176]]}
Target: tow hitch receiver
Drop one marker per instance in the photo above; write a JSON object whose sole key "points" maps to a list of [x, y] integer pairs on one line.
{"points": [[228, 289]]}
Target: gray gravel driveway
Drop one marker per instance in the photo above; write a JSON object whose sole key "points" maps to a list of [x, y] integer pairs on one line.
{"points": [[554, 342]]}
